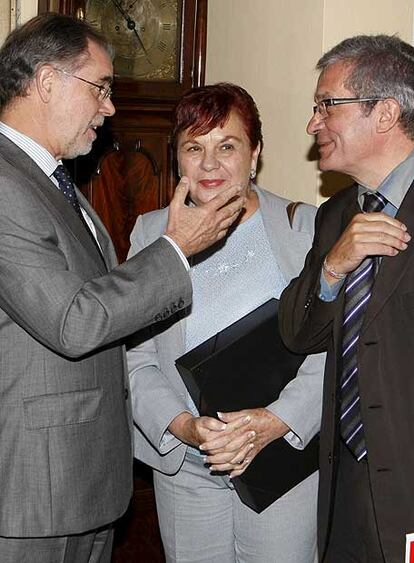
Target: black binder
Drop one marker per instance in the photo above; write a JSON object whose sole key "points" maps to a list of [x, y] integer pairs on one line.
{"points": [[246, 366]]}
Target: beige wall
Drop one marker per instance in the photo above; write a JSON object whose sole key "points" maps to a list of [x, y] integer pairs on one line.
{"points": [[28, 9], [4, 19], [270, 47], [14, 12]]}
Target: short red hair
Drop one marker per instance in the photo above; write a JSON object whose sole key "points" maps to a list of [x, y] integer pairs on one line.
{"points": [[202, 109]]}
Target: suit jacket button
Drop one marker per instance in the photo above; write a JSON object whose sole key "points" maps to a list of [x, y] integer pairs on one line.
{"points": [[126, 394]]}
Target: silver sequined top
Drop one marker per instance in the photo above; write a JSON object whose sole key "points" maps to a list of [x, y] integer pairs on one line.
{"points": [[230, 281]]}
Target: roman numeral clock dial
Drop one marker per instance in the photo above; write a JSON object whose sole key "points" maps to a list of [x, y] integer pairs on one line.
{"points": [[144, 34]]}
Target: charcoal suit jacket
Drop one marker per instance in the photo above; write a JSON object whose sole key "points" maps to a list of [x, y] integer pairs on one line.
{"points": [[65, 422]]}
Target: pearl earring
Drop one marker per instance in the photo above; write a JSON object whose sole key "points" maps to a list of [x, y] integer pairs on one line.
{"points": [[252, 173]]}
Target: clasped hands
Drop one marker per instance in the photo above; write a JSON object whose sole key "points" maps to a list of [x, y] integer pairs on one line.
{"points": [[232, 442], [368, 234]]}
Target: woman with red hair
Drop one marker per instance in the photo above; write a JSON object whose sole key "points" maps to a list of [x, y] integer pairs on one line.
{"points": [[217, 137]]}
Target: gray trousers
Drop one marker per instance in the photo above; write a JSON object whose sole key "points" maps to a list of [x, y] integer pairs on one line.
{"points": [[91, 547], [202, 520]]}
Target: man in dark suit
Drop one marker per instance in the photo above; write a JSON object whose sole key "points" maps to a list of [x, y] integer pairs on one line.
{"points": [[65, 421], [355, 299]]}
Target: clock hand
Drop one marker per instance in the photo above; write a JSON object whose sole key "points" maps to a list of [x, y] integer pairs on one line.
{"points": [[131, 25]]}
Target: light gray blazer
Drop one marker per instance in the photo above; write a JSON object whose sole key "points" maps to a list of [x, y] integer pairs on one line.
{"points": [[158, 393], [65, 424]]}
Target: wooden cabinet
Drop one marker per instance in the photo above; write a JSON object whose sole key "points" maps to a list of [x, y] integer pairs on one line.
{"points": [[130, 170]]}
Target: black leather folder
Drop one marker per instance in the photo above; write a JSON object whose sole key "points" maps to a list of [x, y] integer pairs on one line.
{"points": [[246, 366]]}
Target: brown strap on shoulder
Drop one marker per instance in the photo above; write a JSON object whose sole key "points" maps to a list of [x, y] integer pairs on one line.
{"points": [[291, 209]]}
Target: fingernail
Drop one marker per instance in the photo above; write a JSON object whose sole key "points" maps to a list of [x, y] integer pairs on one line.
{"points": [[247, 419], [251, 446], [219, 414], [202, 448], [246, 461], [252, 434]]}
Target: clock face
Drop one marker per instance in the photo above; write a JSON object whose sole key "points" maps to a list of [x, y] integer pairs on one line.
{"points": [[143, 33]]}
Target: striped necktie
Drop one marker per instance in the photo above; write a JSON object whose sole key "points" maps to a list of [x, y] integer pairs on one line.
{"points": [[358, 288]]}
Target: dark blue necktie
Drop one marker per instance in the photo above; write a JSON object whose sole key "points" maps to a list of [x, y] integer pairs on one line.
{"points": [[67, 187], [358, 288]]}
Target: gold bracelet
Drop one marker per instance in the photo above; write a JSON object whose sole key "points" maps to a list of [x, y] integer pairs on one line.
{"points": [[329, 270]]}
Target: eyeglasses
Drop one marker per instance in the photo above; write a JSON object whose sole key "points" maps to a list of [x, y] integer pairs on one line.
{"points": [[105, 92], [322, 106]]}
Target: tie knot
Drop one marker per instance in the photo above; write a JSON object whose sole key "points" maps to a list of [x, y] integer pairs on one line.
{"points": [[373, 201], [62, 175]]}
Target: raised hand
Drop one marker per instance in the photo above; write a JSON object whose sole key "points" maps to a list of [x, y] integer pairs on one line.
{"points": [[196, 228], [368, 234]]}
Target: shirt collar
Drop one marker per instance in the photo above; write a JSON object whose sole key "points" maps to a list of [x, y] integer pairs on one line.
{"points": [[395, 186], [41, 156]]}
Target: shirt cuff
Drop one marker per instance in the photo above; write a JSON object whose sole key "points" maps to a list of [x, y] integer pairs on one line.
{"points": [[294, 440], [329, 292], [179, 252], [167, 441]]}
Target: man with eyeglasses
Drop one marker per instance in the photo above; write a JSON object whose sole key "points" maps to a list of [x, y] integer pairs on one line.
{"points": [[65, 306], [355, 300]]}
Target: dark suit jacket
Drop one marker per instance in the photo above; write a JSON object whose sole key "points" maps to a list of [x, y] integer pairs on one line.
{"points": [[65, 423], [385, 358]]}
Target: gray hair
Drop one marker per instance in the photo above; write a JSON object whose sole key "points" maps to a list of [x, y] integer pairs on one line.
{"points": [[380, 66], [48, 38]]}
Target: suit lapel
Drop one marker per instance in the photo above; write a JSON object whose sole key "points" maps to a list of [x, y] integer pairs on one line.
{"points": [[279, 234], [57, 203], [392, 269], [351, 209], [51, 196], [270, 223], [105, 242]]}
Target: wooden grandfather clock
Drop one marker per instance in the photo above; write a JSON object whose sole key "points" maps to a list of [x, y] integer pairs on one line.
{"points": [[159, 50]]}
